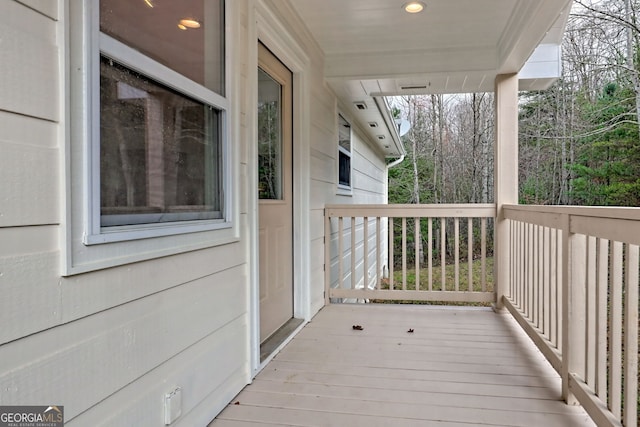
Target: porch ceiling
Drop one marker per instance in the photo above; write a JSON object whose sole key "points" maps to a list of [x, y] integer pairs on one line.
{"points": [[374, 48]]}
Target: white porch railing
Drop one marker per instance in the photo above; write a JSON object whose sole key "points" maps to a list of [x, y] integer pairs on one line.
{"points": [[361, 257], [574, 289]]}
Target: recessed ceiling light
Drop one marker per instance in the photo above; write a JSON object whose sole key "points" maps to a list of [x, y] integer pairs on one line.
{"points": [[182, 27], [189, 23], [414, 7]]}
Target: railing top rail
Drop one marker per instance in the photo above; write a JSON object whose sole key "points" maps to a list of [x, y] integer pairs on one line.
{"points": [[612, 212], [611, 223], [411, 211]]}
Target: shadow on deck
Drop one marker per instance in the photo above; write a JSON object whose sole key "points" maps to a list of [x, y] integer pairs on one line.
{"points": [[459, 366]]}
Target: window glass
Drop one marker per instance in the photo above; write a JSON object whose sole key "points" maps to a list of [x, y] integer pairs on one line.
{"points": [[159, 151], [269, 137], [185, 35], [344, 152], [344, 133], [344, 169]]}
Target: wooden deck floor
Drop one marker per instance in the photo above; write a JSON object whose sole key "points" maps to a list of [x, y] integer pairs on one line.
{"points": [[460, 367]]}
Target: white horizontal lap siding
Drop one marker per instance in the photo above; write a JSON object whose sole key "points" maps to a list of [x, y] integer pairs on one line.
{"points": [[28, 61], [368, 173], [86, 361], [90, 293], [323, 175], [211, 362], [30, 293], [29, 172], [46, 7], [29, 85], [29, 175]]}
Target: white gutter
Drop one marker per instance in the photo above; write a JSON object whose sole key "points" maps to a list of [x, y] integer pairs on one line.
{"points": [[385, 112], [396, 162]]}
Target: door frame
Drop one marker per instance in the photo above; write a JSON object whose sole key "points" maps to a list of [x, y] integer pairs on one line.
{"points": [[269, 31]]}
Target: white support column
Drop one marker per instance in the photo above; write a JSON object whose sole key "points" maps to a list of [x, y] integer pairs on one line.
{"points": [[505, 174]]}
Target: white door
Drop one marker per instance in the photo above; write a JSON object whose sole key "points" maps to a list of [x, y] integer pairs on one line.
{"points": [[275, 188]]}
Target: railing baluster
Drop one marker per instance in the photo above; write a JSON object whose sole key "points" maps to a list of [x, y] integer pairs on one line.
{"points": [[353, 253], [340, 253], [456, 256], [404, 253], [533, 306], [546, 277], [631, 337], [615, 331], [418, 245], [540, 282], [443, 250], [470, 252], [553, 302], [515, 260], [483, 253], [391, 255], [520, 258], [578, 302], [327, 258], [365, 256], [430, 252], [522, 268], [566, 286], [378, 255], [590, 352], [529, 281], [601, 319], [559, 282], [536, 275]]}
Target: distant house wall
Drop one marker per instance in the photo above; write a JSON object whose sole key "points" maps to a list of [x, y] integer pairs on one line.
{"points": [[108, 344]]}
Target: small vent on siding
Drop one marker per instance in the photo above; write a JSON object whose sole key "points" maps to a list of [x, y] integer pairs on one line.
{"points": [[381, 137], [360, 105], [373, 124]]}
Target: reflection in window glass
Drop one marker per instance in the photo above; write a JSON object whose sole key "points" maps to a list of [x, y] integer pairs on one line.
{"points": [[194, 49], [344, 152], [269, 137], [344, 169], [159, 152]]}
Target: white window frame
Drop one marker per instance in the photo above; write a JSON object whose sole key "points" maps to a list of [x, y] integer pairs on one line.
{"points": [[345, 189], [89, 245]]}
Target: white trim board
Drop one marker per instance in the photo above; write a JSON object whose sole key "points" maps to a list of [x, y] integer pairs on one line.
{"points": [[273, 34]]}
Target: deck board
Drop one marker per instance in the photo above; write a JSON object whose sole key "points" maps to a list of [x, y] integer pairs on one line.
{"points": [[460, 366]]}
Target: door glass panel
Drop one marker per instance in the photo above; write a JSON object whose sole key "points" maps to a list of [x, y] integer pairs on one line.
{"points": [[269, 137]]}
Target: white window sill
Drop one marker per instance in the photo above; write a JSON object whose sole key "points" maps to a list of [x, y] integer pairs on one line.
{"points": [[344, 191]]}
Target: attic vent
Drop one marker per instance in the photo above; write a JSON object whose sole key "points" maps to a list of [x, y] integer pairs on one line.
{"points": [[360, 105], [373, 124], [414, 87], [381, 137]]}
